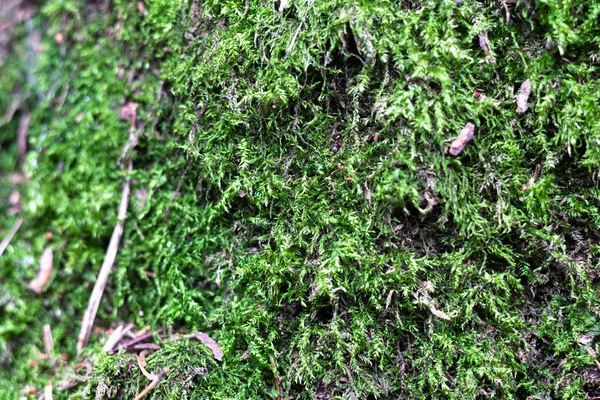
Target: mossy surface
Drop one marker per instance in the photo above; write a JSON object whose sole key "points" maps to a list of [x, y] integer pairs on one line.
{"points": [[292, 196]]}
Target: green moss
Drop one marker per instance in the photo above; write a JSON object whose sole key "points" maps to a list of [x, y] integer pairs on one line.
{"points": [[300, 204]]}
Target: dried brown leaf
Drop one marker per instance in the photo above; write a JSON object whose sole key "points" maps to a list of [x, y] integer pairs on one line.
{"points": [[45, 272], [439, 314], [465, 136], [523, 96], [210, 343]]}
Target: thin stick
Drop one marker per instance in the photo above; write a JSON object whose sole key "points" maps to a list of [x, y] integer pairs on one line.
{"points": [[5, 242], [47, 338], [90, 313], [154, 382], [142, 363], [48, 392], [116, 337]]}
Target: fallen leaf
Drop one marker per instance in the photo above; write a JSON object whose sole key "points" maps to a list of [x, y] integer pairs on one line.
{"points": [[439, 314], [79, 117], [523, 96], [44, 273], [210, 343], [59, 38], [466, 134]]}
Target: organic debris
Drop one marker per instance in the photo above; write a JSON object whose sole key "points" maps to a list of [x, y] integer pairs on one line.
{"points": [[484, 43], [6, 241], [465, 136], [154, 378], [116, 337], [47, 339], [129, 113], [523, 96], [208, 342], [45, 272]]}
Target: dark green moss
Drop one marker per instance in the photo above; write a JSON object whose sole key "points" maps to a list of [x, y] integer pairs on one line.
{"points": [[301, 206]]}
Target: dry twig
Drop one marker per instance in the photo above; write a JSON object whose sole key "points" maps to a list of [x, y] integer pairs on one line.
{"points": [[90, 313], [116, 337], [48, 341], [128, 112], [154, 379], [6, 241]]}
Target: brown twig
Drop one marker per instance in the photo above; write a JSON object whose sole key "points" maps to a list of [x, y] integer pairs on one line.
{"points": [[116, 337], [6, 241], [48, 341], [140, 338], [154, 382], [90, 313], [143, 346]]}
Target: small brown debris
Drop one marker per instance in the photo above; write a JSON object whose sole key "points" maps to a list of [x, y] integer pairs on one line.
{"points": [[523, 96], [154, 382], [29, 390], [484, 43], [129, 113], [478, 93], [48, 341], [45, 272], [141, 8], [59, 38], [15, 203], [466, 134], [327, 59], [79, 117], [586, 339], [143, 346], [439, 314], [114, 339], [536, 174], [208, 342]]}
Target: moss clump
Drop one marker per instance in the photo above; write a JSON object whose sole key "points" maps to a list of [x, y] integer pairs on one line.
{"points": [[297, 201]]}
